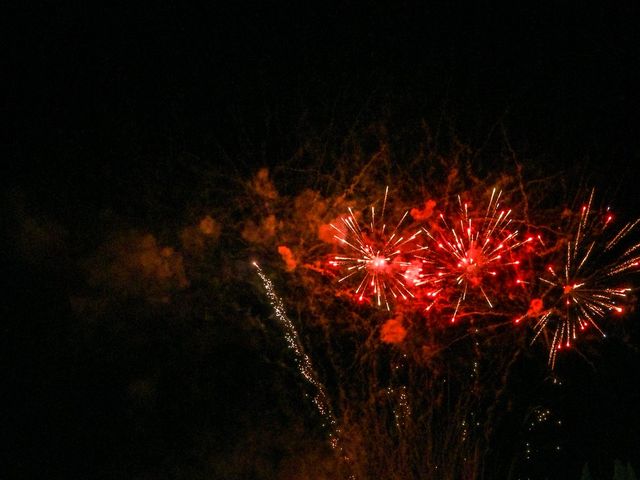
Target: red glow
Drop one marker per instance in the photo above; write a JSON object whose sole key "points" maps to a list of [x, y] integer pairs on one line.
{"points": [[468, 262]]}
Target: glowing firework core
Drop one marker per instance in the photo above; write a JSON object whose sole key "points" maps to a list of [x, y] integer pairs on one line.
{"points": [[472, 264], [378, 263]]}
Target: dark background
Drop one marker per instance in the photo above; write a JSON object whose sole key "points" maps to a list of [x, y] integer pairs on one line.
{"points": [[109, 109]]}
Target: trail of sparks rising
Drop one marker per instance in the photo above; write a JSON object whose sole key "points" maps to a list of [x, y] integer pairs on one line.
{"points": [[469, 252], [377, 258], [588, 286], [304, 364]]}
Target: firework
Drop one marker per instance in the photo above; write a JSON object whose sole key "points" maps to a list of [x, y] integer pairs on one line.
{"points": [[589, 283], [401, 409], [465, 255], [304, 364], [377, 256]]}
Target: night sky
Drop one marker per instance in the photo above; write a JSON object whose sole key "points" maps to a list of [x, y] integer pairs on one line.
{"points": [[124, 125]]}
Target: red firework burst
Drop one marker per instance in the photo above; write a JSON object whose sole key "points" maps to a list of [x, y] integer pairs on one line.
{"points": [[466, 254], [590, 281], [378, 258]]}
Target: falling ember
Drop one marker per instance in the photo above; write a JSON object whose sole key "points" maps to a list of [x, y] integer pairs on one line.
{"points": [[588, 286], [466, 254], [376, 257]]}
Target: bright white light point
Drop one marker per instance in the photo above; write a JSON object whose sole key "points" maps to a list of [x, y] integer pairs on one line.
{"points": [[378, 262]]}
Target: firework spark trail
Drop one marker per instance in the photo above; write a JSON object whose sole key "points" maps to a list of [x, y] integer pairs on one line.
{"points": [[377, 258], [401, 407], [304, 364], [469, 251], [588, 287]]}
